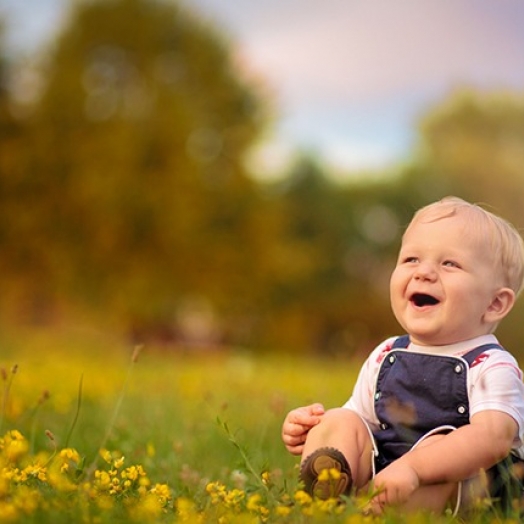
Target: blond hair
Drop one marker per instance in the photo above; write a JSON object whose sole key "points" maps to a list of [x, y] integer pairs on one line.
{"points": [[503, 239]]}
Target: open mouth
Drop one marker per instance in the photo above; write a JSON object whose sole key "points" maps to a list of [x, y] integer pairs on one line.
{"points": [[421, 299]]}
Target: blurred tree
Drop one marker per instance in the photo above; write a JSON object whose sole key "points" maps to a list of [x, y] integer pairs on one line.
{"points": [[473, 146], [17, 264], [345, 238], [337, 249], [124, 190], [137, 194]]}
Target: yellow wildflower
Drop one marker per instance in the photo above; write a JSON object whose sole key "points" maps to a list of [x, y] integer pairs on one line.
{"points": [[133, 472], [185, 509], [334, 473], [282, 511], [70, 457], [70, 454], [264, 513], [217, 492], [331, 505], [106, 455], [14, 445], [35, 471], [102, 480], [145, 509], [265, 477], [118, 463], [115, 486], [303, 498], [329, 474], [253, 502], [234, 497], [163, 493]]}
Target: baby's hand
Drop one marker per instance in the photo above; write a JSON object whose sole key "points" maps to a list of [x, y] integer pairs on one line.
{"points": [[297, 424], [393, 486]]}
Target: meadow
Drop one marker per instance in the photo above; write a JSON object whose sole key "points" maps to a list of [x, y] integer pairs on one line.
{"points": [[94, 431]]}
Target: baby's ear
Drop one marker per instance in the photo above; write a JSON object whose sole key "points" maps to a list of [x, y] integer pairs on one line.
{"points": [[500, 305]]}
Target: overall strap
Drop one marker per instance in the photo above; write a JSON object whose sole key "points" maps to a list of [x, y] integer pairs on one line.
{"points": [[402, 342], [474, 353]]}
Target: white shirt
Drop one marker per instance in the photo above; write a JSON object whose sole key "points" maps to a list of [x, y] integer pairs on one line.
{"points": [[494, 382]]}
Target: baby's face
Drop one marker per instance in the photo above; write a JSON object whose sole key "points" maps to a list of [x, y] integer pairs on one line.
{"points": [[444, 283]]}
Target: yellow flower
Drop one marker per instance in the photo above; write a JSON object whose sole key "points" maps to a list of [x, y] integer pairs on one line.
{"points": [[102, 480], [14, 434], [282, 511], [334, 473], [331, 505], [70, 454], [234, 497], [146, 509], [35, 471], [253, 502], [14, 445], [59, 481], [118, 463], [186, 511], [323, 475], [130, 473], [329, 474], [264, 513], [303, 498], [106, 455], [217, 491], [163, 493]]}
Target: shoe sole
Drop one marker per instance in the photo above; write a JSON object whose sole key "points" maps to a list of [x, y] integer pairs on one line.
{"points": [[320, 460]]}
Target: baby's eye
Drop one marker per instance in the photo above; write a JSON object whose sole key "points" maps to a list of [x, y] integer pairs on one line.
{"points": [[450, 263], [410, 260]]}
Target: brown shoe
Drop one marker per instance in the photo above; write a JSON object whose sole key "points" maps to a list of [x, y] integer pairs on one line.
{"points": [[331, 487]]}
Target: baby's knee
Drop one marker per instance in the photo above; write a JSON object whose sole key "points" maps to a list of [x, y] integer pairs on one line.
{"points": [[339, 420]]}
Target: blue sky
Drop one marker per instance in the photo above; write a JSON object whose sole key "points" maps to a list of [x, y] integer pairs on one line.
{"points": [[350, 78]]}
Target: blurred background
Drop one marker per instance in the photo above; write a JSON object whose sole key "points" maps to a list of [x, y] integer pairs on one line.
{"points": [[208, 174]]}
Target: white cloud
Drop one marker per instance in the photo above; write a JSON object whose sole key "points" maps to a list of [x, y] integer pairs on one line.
{"points": [[375, 48]]}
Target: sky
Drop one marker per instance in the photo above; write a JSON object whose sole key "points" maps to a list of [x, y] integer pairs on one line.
{"points": [[350, 79]]}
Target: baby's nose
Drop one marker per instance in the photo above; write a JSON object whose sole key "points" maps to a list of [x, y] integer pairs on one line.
{"points": [[425, 271]]}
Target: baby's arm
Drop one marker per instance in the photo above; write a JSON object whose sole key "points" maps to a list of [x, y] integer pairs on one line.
{"points": [[456, 456], [297, 424]]}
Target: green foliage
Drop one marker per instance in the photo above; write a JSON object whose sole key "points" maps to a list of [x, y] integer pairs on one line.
{"points": [[473, 144], [124, 195], [165, 458], [135, 171]]}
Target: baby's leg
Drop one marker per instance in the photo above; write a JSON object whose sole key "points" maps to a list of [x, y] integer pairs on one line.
{"points": [[345, 431]]}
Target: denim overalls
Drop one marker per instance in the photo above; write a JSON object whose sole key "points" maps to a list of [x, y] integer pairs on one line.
{"points": [[417, 393]]}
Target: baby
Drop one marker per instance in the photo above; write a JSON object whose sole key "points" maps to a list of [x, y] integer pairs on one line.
{"points": [[434, 409]]}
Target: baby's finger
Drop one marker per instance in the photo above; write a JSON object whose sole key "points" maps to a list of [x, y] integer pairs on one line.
{"points": [[295, 430], [317, 409], [303, 417]]}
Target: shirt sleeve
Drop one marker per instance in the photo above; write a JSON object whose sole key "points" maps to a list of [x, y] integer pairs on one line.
{"points": [[496, 384]]}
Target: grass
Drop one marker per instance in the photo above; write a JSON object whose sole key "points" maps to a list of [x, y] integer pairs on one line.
{"points": [[93, 432]]}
